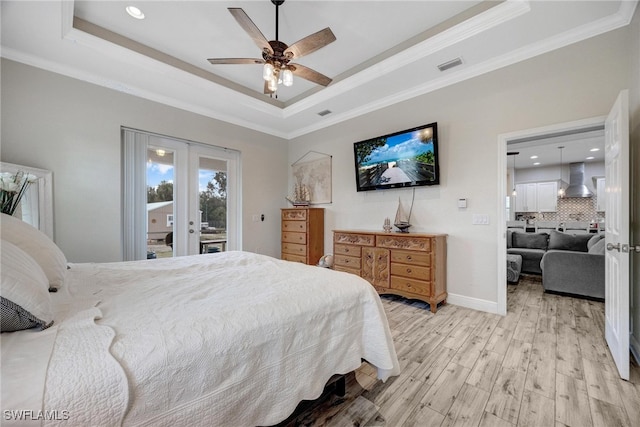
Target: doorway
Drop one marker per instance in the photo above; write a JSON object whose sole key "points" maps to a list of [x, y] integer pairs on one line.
{"points": [[506, 209], [180, 197]]}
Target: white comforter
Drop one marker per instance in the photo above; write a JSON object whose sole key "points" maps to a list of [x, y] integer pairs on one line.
{"points": [[233, 339]]}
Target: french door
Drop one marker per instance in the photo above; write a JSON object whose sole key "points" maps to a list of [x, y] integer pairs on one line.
{"points": [[180, 197]]}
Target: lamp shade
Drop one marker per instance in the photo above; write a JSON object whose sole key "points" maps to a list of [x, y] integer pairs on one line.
{"points": [[287, 77], [267, 71]]}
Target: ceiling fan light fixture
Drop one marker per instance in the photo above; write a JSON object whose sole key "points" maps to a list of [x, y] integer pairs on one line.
{"points": [[267, 71], [287, 77], [272, 83]]}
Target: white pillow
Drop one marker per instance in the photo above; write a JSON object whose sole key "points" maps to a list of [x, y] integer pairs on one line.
{"points": [[24, 289], [37, 244]]}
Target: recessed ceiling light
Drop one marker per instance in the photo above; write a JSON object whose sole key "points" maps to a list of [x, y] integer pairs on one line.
{"points": [[590, 158], [134, 12], [534, 157], [595, 149], [536, 163]]}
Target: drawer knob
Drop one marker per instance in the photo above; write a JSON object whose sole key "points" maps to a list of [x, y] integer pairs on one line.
{"points": [[409, 257], [408, 270], [347, 250]]}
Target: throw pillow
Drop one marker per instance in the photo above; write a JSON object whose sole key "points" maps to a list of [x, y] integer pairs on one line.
{"points": [[38, 245], [598, 248], [24, 291], [530, 240], [568, 242], [595, 239]]}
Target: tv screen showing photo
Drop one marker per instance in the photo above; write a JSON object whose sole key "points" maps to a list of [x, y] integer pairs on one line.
{"points": [[403, 159]]}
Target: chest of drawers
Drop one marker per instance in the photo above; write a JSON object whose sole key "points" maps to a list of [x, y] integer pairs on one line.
{"points": [[302, 234], [412, 265]]}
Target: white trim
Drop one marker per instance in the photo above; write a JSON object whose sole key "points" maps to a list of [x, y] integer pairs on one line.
{"points": [[503, 139], [473, 303], [482, 22]]}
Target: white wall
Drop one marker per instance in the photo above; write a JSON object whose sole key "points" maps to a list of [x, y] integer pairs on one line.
{"points": [[73, 129], [561, 86]]}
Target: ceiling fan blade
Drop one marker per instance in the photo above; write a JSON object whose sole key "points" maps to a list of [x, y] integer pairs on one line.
{"points": [[216, 61], [254, 32], [311, 75], [311, 43]]}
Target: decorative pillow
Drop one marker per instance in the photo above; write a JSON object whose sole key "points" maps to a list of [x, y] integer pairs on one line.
{"points": [[595, 239], [598, 247], [24, 291], [38, 245], [530, 240], [568, 242]]}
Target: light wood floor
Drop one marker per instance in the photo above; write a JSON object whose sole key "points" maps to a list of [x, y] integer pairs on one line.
{"points": [[544, 364]]}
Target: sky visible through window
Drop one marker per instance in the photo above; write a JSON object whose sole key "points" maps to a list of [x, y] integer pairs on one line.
{"points": [[157, 173]]}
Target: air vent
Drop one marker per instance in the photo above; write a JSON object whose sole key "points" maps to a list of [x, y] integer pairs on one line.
{"points": [[450, 64], [324, 113]]}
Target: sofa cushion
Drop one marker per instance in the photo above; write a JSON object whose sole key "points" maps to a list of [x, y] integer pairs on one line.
{"points": [[530, 240], [597, 248], [530, 259], [595, 239], [568, 242]]}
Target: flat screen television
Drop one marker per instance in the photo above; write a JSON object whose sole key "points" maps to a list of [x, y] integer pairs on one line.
{"points": [[407, 158]]}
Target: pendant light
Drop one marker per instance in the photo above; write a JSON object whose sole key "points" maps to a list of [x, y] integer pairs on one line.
{"points": [[560, 190], [514, 192]]}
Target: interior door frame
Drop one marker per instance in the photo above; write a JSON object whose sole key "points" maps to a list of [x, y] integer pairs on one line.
{"points": [[503, 140]]}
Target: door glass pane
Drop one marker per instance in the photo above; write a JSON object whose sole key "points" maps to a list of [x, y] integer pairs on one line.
{"points": [[160, 208], [212, 183]]}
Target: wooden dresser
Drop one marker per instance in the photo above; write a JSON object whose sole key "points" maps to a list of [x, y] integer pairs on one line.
{"points": [[302, 237], [412, 265]]}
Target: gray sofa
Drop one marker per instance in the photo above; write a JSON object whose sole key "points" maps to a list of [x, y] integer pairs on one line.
{"points": [[573, 267], [530, 246], [569, 263]]}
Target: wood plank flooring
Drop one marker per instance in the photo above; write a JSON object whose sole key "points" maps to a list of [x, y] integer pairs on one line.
{"points": [[545, 363]]}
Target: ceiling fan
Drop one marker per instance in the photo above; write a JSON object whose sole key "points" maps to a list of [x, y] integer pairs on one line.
{"points": [[277, 56]]}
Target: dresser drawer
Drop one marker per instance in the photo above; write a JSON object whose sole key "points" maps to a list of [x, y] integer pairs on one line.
{"points": [[295, 258], [411, 271], [419, 287], [297, 226], [354, 238], [347, 261], [294, 249], [347, 250], [346, 269], [292, 237], [294, 214], [414, 243], [412, 258]]}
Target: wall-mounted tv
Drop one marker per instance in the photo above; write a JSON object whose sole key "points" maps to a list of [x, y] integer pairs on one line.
{"points": [[407, 158]]}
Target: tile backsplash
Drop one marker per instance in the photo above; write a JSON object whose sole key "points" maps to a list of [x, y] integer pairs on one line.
{"points": [[570, 209]]}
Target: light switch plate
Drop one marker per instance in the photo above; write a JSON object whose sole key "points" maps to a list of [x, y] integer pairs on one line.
{"points": [[479, 219]]}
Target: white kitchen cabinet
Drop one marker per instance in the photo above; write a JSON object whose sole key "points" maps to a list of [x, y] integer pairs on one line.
{"points": [[537, 197], [526, 197], [547, 193]]}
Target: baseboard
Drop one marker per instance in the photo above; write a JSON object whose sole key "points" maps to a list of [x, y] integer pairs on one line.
{"points": [[634, 345], [473, 303]]}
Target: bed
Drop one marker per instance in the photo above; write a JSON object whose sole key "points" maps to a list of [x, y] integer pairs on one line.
{"points": [[232, 338]]}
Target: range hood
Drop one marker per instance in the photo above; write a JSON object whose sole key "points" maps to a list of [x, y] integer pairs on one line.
{"points": [[576, 187]]}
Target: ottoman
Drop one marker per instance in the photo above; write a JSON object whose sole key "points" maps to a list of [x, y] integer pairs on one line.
{"points": [[514, 265]]}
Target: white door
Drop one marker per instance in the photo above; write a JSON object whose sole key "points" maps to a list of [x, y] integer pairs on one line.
{"points": [[180, 198], [617, 233]]}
